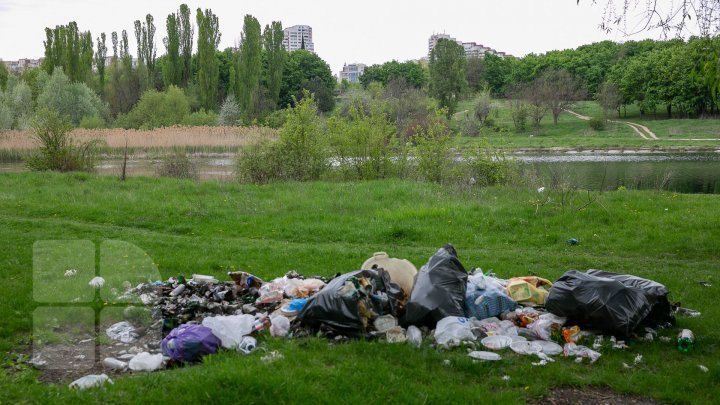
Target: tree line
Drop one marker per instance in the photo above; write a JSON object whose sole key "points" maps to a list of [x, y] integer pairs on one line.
{"points": [[118, 85]]}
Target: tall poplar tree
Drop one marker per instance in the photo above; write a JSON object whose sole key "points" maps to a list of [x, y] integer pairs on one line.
{"points": [[276, 56], [249, 69], [208, 68]]}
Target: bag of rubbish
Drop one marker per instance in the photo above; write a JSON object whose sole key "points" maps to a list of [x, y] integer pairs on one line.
{"points": [[547, 324], [146, 362], [453, 330], [349, 303], [414, 336], [189, 343], [280, 326], [439, 290], [230, 329], [401, 271], [487, 302], [612, 303]]}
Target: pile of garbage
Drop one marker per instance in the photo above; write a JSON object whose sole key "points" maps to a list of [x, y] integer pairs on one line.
{"points": [[389, 299]]}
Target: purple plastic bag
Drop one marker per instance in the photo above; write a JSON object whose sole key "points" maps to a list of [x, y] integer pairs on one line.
{"points": [[189, 343]]}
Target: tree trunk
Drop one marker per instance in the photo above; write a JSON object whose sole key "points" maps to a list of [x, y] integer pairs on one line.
{"points": [[669, 110]]}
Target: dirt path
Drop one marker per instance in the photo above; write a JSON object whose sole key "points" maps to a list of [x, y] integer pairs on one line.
{"points": [[643, 131]]}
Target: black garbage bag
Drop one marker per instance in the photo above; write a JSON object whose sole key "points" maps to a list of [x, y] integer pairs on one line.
{"points": [[349, 302], [612, 303], [439, 290]]}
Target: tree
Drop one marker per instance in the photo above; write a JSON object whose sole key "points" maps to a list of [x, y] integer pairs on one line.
{"points": [[410, 72], [158, 109], [275, 56], [71, 100], [100, 57], [208, 70], [609, 97], [249, 68], [535, 95], [145, 37], [187, 32], [561, 90], [483, 105], [122, 88], [678, 16], [475, 73], [173, 67], [300, 72], [3, 76], [230, 113], [67, 47], [447, 73]]}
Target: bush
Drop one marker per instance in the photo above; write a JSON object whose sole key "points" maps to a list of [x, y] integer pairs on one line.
{"points": [[276, 119], [178, 166], [230, 113], [57, 150], [200, 119], [71, 100], [156, 110], [432, 150], [471, 126], [260, 163], [483, 105], [489, 167], [519, 112], [598, 124], [93, 122]]}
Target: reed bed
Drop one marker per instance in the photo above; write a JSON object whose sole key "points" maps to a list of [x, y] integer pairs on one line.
{"points": [[160, 138]]}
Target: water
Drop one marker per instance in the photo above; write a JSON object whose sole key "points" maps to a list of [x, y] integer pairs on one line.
{"points": [[682, 173]]}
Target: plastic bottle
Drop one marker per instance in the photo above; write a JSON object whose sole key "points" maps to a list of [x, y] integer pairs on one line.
{"points": [[686, 341]]}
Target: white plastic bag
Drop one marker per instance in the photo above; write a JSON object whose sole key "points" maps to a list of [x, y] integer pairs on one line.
{"points": [[280, 326], [123, 332], [452, 330], [230, 329], [414, 335], [90, 381], [146, 362], [542, 327]]}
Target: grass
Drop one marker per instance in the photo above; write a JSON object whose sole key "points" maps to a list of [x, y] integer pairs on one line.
{"points": [[571, 132], [188, 227]]}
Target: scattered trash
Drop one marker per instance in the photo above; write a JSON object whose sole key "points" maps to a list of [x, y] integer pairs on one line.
{"points": [[439, 290], [97, 283], [540, 363], [686, 341], [114, 364], [446, 363], [597, 345], [505, 378], [549, 348], [247, 345], [638, 359], [704, 283], [572, 242], [546, 325], [453, 330], [280, 326], [401, 271], [201, 279], [230, 329], [525, 347], [38, 362], [294, 307], [580, 352], [541, 190], [71, 273], [528, 290], [617, 344], [123, 332], [396, 335], [486, 297], [571, 334], [414, 335], [272, 357], [485, 356], [146, 362], [665, 339], [690, 313], [190, 343], [609, 302], [703, 368], [625, 365], [90, 381], [496, 342], [384, 323]]}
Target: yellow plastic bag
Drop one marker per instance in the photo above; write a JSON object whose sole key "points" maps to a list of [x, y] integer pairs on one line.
{"points": [[528, 289]]}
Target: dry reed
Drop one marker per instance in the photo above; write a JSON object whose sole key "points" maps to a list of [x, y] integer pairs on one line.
{"points": [[157, 138]]}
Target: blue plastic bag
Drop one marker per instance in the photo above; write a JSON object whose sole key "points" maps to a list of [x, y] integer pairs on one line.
{"points": [[189, 343]]}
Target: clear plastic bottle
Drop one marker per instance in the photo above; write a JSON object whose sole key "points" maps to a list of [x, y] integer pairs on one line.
{"points": [[686, 341]]}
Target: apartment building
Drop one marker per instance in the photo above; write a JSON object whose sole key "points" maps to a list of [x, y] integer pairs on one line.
{"points": [[19, 66], [352, 72], [472, 49], [298, 37]]}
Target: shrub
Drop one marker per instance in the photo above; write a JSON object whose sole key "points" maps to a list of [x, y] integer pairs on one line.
{"points": [[598, 124], [471, 126], [432, 150], [276, 119], [178, 166], [92, 122], [487, 166], [483, 105], [519, 112], [200, 119], [230, 113], [156, 109], [71, 100], [57, 151], [260, 163]]}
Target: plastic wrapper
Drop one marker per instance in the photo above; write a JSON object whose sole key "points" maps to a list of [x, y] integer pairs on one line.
{"points": [[414, 336], [123, 332], [350, 302], [146, 362], [612, 303], [189, 343], [439, 290], [90, 381], [572, 349], [486, 297], [453, 330], [546, 324], [230, 329], [280, 326]]}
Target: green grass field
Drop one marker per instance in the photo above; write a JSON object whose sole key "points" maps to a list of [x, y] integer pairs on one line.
{"points": [[571, 132], [324, 228]]}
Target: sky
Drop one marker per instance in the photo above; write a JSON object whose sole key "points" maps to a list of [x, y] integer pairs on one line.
{"points": [[368, 31]]}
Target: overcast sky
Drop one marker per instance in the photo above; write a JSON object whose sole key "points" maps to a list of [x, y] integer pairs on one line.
{"points": [[367, 31]]}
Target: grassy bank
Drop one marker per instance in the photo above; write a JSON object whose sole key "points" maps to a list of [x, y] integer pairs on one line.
{"points": [[324, 228], [571, 132]]}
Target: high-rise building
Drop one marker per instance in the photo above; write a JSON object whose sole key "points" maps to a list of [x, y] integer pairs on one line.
{"points": [[298, 37], [352, 72], [472, 49]]}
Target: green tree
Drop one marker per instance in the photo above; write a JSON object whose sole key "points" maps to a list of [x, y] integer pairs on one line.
{"points": [[411, 72], [302, 70], [447, 73], [475, 74], [145, 37], [249, 68], [3, 76], [71, 100], [609, 98], [100, 57], [187, 32], [275, 56], [172, 68], [208, 69], [158, 109], [67, 47], [122, 89]]}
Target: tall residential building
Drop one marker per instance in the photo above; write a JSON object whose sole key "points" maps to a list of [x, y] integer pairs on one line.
{"points": [[298, 37], [352, 72], [472, 49], [22, 65]]}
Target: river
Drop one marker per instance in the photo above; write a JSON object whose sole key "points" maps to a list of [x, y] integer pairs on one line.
{"points": [[682, 173]]}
